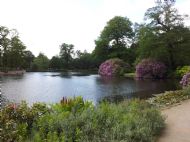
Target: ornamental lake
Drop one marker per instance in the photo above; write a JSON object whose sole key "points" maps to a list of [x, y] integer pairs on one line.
{"points": [[51, 87]]}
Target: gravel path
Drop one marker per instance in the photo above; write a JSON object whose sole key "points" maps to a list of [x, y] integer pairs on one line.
{"points": [[177, 123]]}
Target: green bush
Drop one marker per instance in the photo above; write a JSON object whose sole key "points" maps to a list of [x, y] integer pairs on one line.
{"points": [[181, 71], [78, 121]]}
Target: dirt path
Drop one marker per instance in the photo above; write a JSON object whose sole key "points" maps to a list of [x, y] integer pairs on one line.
{"points": [[177, 123]]}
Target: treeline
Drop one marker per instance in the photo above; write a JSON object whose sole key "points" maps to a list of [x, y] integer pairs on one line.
{"points": [[163, 36], [13, 53], [67, 59]]}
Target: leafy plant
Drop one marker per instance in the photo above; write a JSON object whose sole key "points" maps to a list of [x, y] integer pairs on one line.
{"points": [[79, 121], [16, 121], [181, 71]]}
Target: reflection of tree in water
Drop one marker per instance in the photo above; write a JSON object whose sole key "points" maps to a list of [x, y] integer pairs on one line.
{"points": [[118, 89]]}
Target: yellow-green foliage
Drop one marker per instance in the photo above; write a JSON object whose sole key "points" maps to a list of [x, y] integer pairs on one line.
{"points": [[181, 71]]}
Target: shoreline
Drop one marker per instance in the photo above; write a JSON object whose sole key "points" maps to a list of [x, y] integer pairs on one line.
{"points": [[12, 73]]}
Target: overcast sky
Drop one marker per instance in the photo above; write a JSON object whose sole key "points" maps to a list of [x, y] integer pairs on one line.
{"points": [[44, 24]]}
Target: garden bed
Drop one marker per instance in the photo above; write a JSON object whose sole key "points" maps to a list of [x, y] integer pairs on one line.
{"points": [[76, 120]]}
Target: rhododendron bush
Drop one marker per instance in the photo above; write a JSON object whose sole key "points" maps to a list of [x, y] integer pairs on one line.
{"points": [[149, 68], [112, 67], [185, 81]]}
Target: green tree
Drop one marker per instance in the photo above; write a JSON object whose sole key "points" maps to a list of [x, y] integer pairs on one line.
{"points": [[11, 49], [165, 37], [114, 39], [84, 60], [55, 63], [41, 63], [28, 59], [4, 45], [66, 52], [13, 52], [16, 53]]}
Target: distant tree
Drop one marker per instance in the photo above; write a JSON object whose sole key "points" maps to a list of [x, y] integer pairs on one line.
{"points": [[78, 53], [12, 49], [4, 45], [55, 63], [84, 60], [66, 52], [28, 59], [41, 63], [16, 53]]}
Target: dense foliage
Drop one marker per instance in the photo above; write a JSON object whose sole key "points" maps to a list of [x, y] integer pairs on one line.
{"points": [[149, 68], [164, 36], [76, 120], [181, 71], [114, 40], [113, 67], [185, 81], [40, 63], [13, 53]]}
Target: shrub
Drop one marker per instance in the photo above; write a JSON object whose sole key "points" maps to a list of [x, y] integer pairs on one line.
{"points": [[149, 68], [185, 81], [76, 120], [181, 71], [113, 67], [16, 120]]}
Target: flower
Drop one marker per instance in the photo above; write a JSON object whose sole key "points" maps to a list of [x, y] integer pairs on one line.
{"points": [[185, 81], [149, 68], [112, 67]]}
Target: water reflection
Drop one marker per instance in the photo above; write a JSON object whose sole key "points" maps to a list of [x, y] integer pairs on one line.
{"points": [[51, 87]]}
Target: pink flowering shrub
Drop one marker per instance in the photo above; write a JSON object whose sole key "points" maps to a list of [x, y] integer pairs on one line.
{"points": [[149, 68], [112, 67], [185, 81]]}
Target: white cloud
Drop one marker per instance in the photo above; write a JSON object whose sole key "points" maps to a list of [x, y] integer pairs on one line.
{"points": [[45, 24]]}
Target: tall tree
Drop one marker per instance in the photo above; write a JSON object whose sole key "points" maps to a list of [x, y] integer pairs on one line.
{"points": [[114, 39], [165, 36], [28, 58], [16, 53], [55, 63], [11, 49], [4, 45], [41, 63], [66, 52]]}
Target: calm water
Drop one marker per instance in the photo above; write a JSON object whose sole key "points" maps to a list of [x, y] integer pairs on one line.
{"points": [[51, 87]]}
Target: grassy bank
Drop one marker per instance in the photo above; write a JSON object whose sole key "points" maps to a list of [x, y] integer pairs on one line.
{"points": [[170, 98], [78, 121]]}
